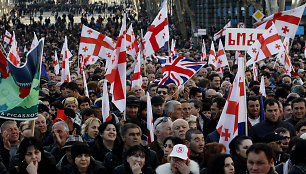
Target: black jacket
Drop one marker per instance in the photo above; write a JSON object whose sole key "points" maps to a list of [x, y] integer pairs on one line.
{"points": [[95, 167]]}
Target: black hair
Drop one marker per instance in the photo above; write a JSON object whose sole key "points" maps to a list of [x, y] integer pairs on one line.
{"points": [[190, 132], [194, 90], [25, 144], [261, 147], [236, 142], [175, 140], [298, 100], [216, 165], [270, 102], [299, 153], [220, 102]]}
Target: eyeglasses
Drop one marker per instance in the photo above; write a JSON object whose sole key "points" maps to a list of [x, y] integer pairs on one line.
{"points": [[164, 119], [164, 92]]}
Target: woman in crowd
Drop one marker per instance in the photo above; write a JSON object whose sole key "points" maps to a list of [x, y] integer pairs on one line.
{"points": [[238, 146], [179, 162], [211, 150], [32, 159], [221, 164], [298, 158], [169, 142], [84, 102], [82, 161], [73, 104], [135, 162], [107, 140], [90, 130]]}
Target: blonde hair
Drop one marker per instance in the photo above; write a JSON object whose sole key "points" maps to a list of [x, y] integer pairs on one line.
{"points": [[70, 100], [89, 122]]}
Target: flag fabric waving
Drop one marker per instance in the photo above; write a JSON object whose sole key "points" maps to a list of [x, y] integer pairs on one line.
{"points": [[262, 93], [212, 60], [158, 33], [137, 76], [203, 54], [65, 75], [34, 42], [106, 114], [266, 45], [172, 53], [95, 44], [13, 55], [234, 111], [116, 73], [21, 86], [237, 55], [222, 31], [221, 59], [56, 64], [150, 127], [178, 70], [131, 43], [85, 85], [8, 38], [255, 72], [284, 57], [286, 22]]}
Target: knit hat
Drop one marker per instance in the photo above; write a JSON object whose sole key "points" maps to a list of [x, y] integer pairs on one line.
{"points": [[79, 148]]}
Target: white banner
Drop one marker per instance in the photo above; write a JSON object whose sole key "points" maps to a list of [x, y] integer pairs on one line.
{"points": [[241, 38]]}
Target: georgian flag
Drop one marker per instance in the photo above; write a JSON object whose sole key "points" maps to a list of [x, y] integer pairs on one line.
{"points": [[137, 76], [212, 60], [234, 112], [65, 76], [237, 55], [116, 73], [158, 33], [150, 127], [267, 45], [221, 59], [13, 55], [284, 57], [222, 31], [286, 22], [95, 44], [131, 43], [255, 72], [56, 64], [106, 114], [203, 54], [8, 38], [85, 85], [172, 47]]}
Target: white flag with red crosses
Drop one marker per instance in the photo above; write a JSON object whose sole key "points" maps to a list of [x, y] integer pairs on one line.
{"points": [[34, 42], [286, 22], [203, 54], [234, 111], [56, 64], [65, 76], [221, 59], [212, 60], [95, 44], [172, 52], [267, 45], [131, 43], [8, 38], [158, 33], [116, 73], [284, 57], [137, 76], [13, 55], [222, 31]]}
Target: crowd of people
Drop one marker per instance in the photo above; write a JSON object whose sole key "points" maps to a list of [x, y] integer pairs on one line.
{"points": [[185, 118]]}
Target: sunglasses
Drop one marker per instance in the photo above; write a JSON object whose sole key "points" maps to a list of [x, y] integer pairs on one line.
{"points": [[164, 119], [164, 92]]}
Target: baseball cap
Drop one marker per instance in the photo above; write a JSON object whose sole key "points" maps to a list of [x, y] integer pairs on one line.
{"points": [[71, 140], [180, 151]]}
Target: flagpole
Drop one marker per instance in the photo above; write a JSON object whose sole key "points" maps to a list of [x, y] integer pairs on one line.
{"points": [[144, 64]]}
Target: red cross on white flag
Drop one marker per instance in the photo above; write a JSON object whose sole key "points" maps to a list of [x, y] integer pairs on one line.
{"points": [[234, 111], [95, 44], [158, 33], [56, 64], [212, 60], [65, 76], [137, 76], [284, 57], [116, 73], [85, 85], [106, 114], [286, 22], [221, 59], [131, 43], [222, 31], [203, 54], [150, 127], [267, 45], [8, 38], [13, 55]]}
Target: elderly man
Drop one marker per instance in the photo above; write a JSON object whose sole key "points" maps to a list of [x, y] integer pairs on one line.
{"points": [[179, 128], [138, 90], [60, 133], [173, 109], [162, 127], [10, 137]]}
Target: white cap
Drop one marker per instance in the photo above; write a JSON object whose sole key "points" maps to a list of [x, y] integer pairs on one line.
{"points": [[180, 151]]}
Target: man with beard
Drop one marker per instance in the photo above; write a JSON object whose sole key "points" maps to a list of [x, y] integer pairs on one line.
{"points": [[253, 107]]}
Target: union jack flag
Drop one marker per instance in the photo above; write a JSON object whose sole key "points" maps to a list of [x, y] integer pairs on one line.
{"points": [[179, 69]]}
